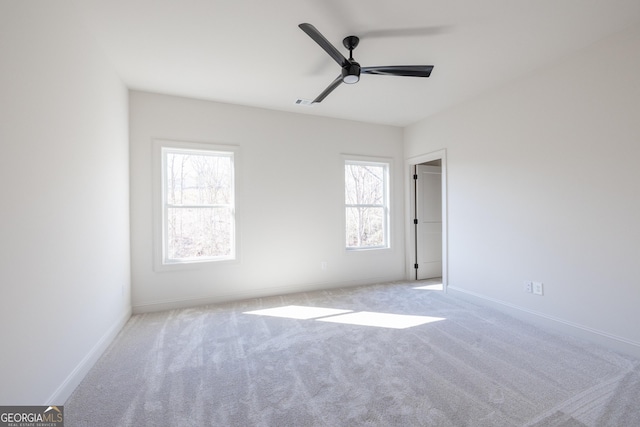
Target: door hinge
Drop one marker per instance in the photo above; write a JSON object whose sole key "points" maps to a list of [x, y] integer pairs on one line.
{"points": [[415, 221], [415, 266], [415, 176]]}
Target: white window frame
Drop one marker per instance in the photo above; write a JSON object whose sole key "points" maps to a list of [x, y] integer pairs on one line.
{"points": [[160, 148], [387, 163]]}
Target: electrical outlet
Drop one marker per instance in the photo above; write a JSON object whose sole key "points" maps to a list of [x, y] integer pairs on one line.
{"points": [[323, 265], [528, 286], [537, 288]]}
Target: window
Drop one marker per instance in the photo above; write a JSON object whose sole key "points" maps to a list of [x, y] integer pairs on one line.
{"points": [[198, 203], [366, 186]]}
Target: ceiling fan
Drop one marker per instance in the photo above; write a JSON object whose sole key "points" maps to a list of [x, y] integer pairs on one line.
{"points": [[351, 70]]}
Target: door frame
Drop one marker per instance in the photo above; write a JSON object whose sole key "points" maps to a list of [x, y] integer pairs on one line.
{"points": [[410, 237]]}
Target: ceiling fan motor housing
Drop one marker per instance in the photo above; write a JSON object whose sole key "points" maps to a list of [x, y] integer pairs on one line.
{"points": [[351, 73]]}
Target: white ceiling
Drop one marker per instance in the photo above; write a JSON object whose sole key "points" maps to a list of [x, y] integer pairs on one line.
{"points": [[251, 52]]}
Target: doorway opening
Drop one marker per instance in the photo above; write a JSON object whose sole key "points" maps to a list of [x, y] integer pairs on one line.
{"points": [[427, 228]]}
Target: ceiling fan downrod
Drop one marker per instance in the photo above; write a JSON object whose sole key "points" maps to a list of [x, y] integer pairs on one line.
{"points": [[351, 71]]}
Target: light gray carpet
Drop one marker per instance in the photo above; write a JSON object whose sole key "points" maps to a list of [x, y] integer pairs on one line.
{"points": [[219, 366]]}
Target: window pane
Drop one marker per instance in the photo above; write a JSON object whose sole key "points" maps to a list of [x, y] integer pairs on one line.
{"points": [[199, 233], [365, 227], [194, 179], [364, 184]]}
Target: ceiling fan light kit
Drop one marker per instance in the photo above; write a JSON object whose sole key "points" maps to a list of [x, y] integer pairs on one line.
{"points": [[351, 73], [351, 70]]}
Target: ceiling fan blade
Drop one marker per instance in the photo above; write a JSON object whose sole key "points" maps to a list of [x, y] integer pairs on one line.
{"points": [[400, 70], [334, 84], [324, 43]]}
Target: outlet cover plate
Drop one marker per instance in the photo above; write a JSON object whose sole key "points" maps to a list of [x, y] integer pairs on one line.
{"points": [[537, 288]]}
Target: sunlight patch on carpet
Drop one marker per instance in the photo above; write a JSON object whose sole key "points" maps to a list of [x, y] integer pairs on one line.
{"points": [[431, 287], [298, 312], [334, 315], [382, 320]]}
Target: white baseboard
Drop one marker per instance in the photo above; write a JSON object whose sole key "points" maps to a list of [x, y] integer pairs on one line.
{"points": [[614, 342], [62, 393], [172, 304]]}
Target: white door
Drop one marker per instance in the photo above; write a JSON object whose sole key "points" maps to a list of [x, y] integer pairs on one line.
{"points": [[429, 226]]}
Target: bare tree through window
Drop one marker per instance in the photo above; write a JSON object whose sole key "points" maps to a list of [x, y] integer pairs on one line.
{"points": [[366, 204], [198, 204]]}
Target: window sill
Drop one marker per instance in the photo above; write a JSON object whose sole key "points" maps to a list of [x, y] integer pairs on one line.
{"points": [[193, 265]]}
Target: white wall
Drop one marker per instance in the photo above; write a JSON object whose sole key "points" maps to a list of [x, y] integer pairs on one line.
{"points": [[64, 226], [290, 201], [544, 185]]}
